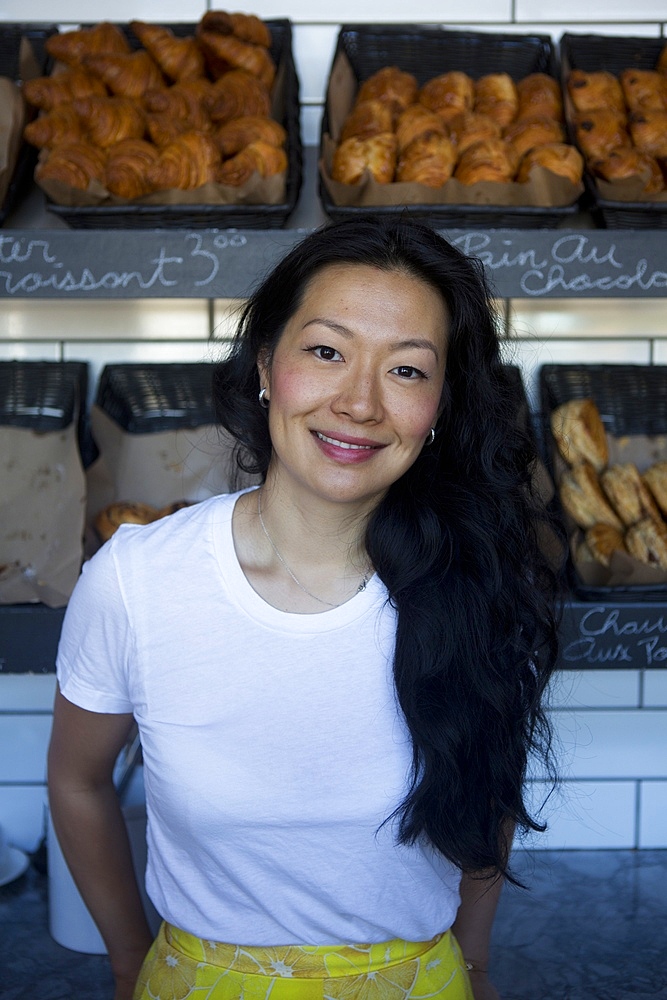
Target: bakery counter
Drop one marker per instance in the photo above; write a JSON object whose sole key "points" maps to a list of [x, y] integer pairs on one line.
{"points": [[42, 258]]}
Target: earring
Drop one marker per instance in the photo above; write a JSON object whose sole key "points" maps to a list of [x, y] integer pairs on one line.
{"points": [[263, 401], [431, 436]]}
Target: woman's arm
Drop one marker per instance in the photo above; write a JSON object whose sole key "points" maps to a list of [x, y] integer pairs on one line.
{"points": [[472, 929], [92, 833]]}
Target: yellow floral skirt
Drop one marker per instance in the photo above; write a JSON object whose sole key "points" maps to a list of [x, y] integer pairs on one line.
{"points": [[180, 965]]}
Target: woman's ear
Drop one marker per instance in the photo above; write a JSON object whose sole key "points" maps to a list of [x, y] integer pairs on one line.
{"points": [[264, 370]]}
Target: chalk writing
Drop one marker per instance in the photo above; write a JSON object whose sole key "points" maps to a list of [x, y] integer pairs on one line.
{"points": [[604, 635]]}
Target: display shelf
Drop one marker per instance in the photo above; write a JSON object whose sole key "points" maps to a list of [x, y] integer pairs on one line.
{"points": [[40, 257]]}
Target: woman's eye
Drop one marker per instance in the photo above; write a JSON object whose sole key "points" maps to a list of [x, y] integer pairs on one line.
{"points": [[409, 372], [326, 353]]}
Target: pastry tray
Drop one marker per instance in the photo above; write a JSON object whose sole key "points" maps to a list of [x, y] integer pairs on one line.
{"points": [[14, 40], [590, 52], [147, 398], [286, 110], [426, 52], [632, 400]]}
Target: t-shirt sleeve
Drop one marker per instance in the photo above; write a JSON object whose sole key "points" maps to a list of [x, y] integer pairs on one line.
{"points": [[95, 648]]}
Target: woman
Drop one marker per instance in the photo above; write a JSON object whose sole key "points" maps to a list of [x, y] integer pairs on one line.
{"points": [[337, 676]]}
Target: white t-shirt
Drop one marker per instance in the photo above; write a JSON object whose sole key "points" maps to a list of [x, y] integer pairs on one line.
{"points": [[273, 745]]}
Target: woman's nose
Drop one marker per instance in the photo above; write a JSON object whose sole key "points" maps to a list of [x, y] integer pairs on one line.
{"points": [[359, 397]]}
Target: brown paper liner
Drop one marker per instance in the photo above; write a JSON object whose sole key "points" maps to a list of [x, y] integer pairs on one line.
{"points": [[12, 120], [544, 189]]}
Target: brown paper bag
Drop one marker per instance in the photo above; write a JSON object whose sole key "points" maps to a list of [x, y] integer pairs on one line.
{"points": [[42, 511]]}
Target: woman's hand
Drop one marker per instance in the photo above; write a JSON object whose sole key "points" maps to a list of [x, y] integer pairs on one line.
{"points": [[482, 987], [124, 989]]}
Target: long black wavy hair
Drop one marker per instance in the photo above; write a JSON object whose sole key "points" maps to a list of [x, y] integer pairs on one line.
{"points": [[457, 541]]}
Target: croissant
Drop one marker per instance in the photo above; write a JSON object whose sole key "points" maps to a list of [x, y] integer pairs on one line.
{"points": [[232, 136], [496, 96], [48, 92], [126, 75], [367, 118], [539, 94], [558, 157], [236, 94], [60, 125], [470, 127], [644, 90], [247, 27], [649, 132], [258, 156], [590, 91], [126, 168], [109, 119], [417, 120], [162, 129], [75, 164], [390, 85], [529, 132], [178, 58], [185, 101], [629, 162], [188, 162], [224, 52], [71, 46], [429, 160], [377, 155], [448, 94], [487, 160]]}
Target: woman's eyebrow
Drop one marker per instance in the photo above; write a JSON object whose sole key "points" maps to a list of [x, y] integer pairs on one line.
{"points": [[420, 343]]}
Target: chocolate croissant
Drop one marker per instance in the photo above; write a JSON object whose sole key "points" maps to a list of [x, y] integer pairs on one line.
{"points": [[529, 132], [496, 96], [416, 121], [62, 124], [247, 27], [232, 136], [598, 132], [75, 164], [644, 89], [470, 127], [429, 160], [49, 92], [592, 90], [448, 94], [126, 171], [236, 94], [390, 85], [224, 52], [178, 58], [126, 75], [377, 155], [558, 157], [257, 157], [649, 132], [626, 162], [539, 94], [70, 47], [488, 160], [186, 163], [107, 120], [366, 118]]}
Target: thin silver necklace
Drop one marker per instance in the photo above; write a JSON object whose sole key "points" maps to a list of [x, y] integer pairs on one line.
{"points": [[362, 585]]}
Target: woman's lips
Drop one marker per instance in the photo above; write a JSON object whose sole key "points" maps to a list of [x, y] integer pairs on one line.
{"points": [[349, 449]]}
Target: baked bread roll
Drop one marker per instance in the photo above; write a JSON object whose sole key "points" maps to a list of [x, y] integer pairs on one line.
{"points": [[74, 164], [470, 127], [647, 541], [582, 498], [558, 157], [489, 160], [655, 478], [110, 518], [649, 132], [627, 493], [644, 89], [367, 118], [354, 156], [70, 47], [529, 132], [579, 434], [496, 96], [178, 58], [126, 172], [602, 540], [626, 162], [599, 89], [539, 94], [428, 160], [416, 121], [390, 85], [448, 94], [598, 132]]}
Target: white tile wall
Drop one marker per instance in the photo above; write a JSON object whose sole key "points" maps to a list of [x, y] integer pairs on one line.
{"points": [[609, 744]]}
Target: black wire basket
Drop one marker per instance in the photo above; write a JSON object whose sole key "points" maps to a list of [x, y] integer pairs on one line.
{"points": [[146, 398]]}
